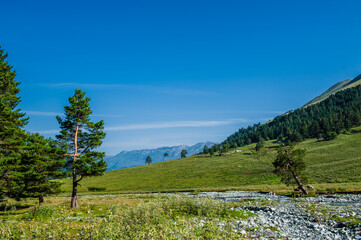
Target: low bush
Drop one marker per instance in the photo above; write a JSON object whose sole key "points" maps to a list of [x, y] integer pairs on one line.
{"points": [[39, 213], [96, 189]]}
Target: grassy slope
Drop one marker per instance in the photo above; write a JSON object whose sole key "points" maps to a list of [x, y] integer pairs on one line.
{"points": [[349, 83], [337, 161]]}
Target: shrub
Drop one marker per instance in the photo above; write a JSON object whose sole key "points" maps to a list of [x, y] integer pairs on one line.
{"points": [[330, 136], [96, 189], [39, 213]]}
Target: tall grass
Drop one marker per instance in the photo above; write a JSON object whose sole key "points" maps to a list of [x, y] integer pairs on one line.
{"points": [[173, 218]]}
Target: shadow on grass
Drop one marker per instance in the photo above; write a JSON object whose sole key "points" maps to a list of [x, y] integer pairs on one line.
{"points": [[356, 131], [9, 209]]}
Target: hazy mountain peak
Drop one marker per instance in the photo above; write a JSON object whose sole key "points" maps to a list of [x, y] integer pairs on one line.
{"points": [[126, 159]]}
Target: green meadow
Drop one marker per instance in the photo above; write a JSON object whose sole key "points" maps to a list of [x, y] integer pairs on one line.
{"points": [[125, 217], [331, 166]]}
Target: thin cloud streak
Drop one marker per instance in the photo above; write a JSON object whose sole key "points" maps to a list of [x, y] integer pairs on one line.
{"points": [[160, 125], [54, 114], [175, 124], [45, 132], [47, 114], [164, 90]]}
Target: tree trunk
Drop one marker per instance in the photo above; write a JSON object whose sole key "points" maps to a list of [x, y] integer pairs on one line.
{"points": [[299, 183], [41, 200], [74, 196]]}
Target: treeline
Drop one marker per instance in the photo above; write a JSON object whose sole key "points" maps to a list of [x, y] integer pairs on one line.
{"points": [[324, 120], [30, 164]]}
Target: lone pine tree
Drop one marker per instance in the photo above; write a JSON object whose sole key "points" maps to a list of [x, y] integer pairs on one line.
{"points": [[205, 149], [260, 145], [148, 160], [184, 153], [81, 137], [165, 155], [289, 164], [12, 136]]}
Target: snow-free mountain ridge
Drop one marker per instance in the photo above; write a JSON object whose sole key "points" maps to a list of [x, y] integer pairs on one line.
{"points": [[126, 159], [349, 83]]}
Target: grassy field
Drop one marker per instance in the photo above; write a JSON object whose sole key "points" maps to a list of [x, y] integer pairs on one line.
{"points": [[331, 165], [126, 217]]}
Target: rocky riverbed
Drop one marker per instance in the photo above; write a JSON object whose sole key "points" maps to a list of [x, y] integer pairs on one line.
{"points": [[276, 217]]}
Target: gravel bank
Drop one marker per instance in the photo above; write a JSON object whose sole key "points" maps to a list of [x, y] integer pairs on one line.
{"points": [[324, 217]]}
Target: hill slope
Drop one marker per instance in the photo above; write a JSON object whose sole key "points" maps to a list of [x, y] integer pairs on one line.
{"points": [[135, 158], [336, 88], [336, 113], [337, 161]]}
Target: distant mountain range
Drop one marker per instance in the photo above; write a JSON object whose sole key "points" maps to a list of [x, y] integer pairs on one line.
{"points": [[126, 159], [349, 83]]}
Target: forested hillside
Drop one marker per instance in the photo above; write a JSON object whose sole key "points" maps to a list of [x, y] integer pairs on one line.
{"points": [[325, 120]]}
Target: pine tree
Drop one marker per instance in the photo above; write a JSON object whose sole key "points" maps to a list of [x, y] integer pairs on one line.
{"points": [[211, 151], [81, 136], [289, 164], [260, 145], [12, 136], [165, 155], [42, 161], [148, 160], [205, 149], [184, 153], [226, 147]]}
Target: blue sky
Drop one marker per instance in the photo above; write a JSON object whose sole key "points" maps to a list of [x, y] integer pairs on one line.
{"points": [[164, 73]]}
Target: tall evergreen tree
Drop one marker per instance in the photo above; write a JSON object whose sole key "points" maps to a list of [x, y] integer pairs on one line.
{"points": [[81, 136], [42, 161], [12, 136]]}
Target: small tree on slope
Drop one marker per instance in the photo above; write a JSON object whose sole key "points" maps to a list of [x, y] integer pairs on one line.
{"points": [[165, 155], [184, 153], [289, 164], [81, 137], [148, 160]]}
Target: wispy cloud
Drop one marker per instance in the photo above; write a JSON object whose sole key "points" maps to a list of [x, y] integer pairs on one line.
{"points": [[45, 132], [160, 125], [53, 114], [242, 112], [39, 113], [159, 89], [175, 124]]}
